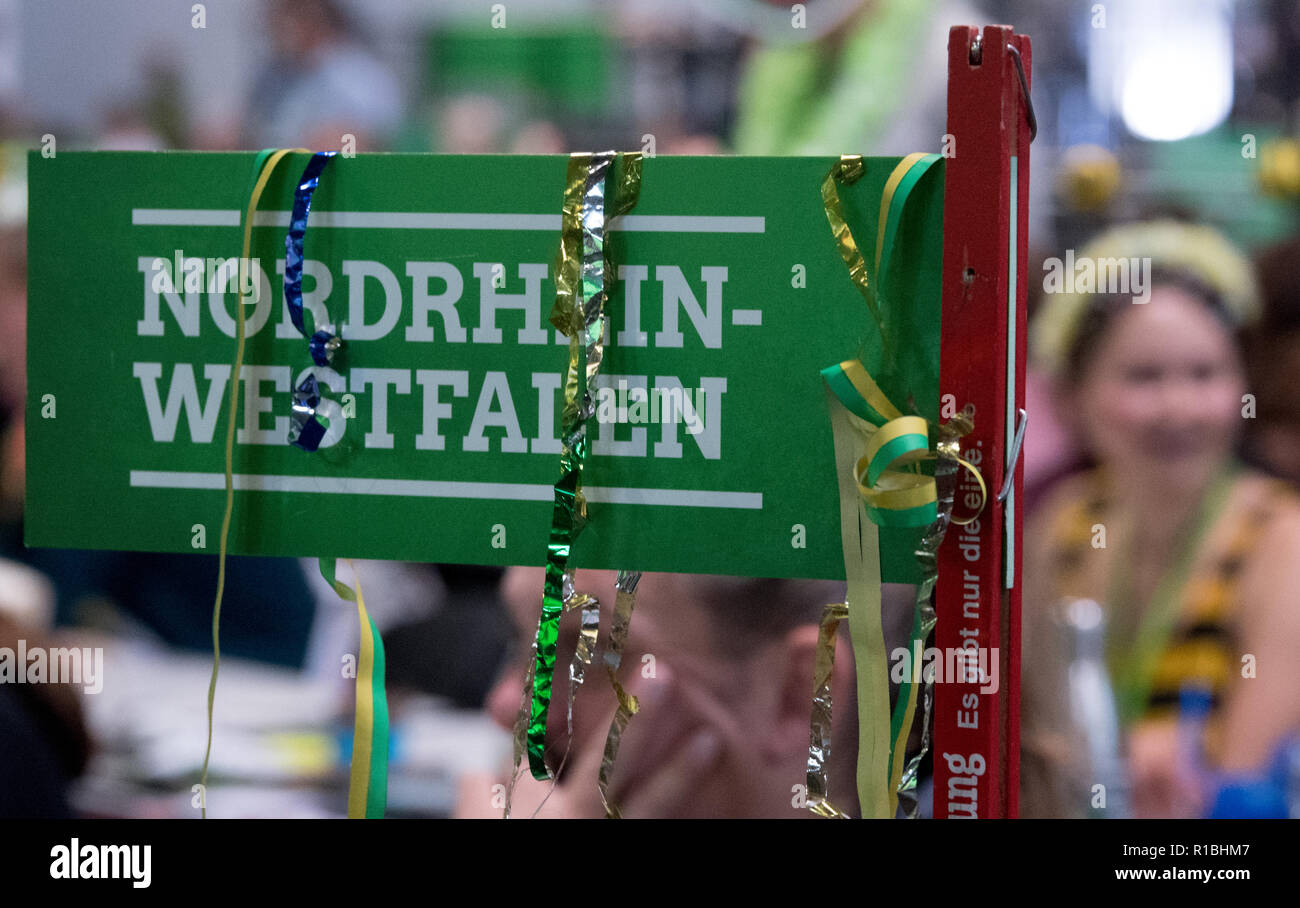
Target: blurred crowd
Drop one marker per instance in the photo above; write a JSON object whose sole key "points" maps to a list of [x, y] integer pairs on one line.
{"points": [[1161, 465]]}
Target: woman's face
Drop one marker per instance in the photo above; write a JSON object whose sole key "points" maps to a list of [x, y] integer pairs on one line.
{"points": [[690, 696], [1162, 392]]}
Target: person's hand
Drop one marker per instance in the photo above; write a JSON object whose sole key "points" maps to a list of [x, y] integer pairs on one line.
{"points": [[1163, 786], [671, 749]]}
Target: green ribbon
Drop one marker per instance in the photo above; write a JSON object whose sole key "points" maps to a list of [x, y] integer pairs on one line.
{"points": [[890, 489], [895, 494], [1134, 670], [368, 783]]}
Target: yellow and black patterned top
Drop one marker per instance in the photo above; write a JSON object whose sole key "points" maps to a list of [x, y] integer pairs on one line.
{"points": [[1192, 639]]}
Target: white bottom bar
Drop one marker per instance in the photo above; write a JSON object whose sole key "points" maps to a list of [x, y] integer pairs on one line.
{"points": [[426, 488]]}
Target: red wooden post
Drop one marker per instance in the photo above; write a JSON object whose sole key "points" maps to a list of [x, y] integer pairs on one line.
{"points": [[976, 730]]}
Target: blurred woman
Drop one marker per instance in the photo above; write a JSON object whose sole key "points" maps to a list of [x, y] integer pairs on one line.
{"points": [[1273, 362], [1194, 557], [722, 667]]}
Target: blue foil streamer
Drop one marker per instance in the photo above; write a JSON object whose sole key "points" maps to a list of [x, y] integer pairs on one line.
{"points": [[305, 430], [322, 350]]}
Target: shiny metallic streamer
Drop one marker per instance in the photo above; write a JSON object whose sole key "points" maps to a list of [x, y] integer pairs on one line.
{"points": [[819, 740], [583, 278], [583, 651], [580, 270], [624, 604], [323, 344], [924, 617], [521, 730], [587, 632], [305, 430], [847, 171], [908, 499]]}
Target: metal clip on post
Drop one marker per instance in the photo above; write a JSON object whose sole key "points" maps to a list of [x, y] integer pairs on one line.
{"points": [[977, 57], [1022, 420], [1024, 91]]}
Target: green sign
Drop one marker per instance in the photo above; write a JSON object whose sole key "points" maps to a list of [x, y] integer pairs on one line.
{"points": [[712, 449]]}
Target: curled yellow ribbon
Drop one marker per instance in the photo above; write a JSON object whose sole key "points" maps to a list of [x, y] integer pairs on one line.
{"points": [[879, 451]]}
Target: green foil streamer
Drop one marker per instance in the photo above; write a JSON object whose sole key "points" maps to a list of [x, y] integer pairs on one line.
{"points": [[583, 277], [575, 307], [583, 652]]}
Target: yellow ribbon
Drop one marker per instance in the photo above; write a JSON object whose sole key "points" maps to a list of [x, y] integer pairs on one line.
{"points": [[368, 781], [264, 175], [878, 453], [860, 538]]}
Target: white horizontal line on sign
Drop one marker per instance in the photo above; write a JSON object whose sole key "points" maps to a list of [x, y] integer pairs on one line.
{"points": [[688, 223], [414, 220], [434, 220], [183, 217], [425, 488], [747, 316], [682, 498]]}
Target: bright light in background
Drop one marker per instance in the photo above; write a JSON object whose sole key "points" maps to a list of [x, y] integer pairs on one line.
{"points": [[1165, 66], [1168, 93]]}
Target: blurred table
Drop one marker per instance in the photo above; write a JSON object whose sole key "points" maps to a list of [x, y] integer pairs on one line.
{"points": [[281, 741]]}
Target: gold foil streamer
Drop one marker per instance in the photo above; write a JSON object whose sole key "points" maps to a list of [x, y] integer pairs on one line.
{"points": [[580, 270], [583, 274], [624, 603], [587, 632], [882, 736], [819, 740], [586, 645], [848, 171], [521, 729], [624, 199]]}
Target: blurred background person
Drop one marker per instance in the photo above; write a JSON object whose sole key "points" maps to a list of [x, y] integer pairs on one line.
{"points": [[46, 742], [849, 76], [723, 668], [165, 596], [1273, 355], [1141, 104], [321, 83], [1193, 556]]}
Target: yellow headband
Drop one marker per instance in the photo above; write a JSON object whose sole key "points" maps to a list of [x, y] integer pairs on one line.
{"points": [[1194, 249]]}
